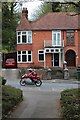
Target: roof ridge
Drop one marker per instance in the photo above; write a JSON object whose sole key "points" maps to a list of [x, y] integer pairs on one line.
{"points": [[51, 13]]}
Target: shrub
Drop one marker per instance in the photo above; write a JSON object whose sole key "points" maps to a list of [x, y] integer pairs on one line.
{"points": [[70, 104], [10, 98], [2, 81]]}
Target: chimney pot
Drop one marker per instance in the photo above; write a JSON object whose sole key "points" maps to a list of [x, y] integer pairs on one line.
{"points": [[25, 12]]}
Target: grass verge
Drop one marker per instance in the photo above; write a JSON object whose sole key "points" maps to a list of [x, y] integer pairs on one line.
{"points": [[70, 103], [11, 96]]}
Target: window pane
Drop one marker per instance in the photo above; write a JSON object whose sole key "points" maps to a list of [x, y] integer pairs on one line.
{"points": [[58, 39], [41, 51], [24, 33], [29, 33], [29, 58], [54, 39], [24, 39], [23, 52], [29, 52], [29, 36], [19, 52], [70, 38], [18, 39], [19, 33], [41, 57], [19, 58], [29, 39], [72, 35], [24, 58]]}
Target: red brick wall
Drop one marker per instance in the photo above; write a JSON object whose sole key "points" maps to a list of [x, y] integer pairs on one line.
{"points": [[24, 47], [38, 38], [38, 44], [74, 48]]}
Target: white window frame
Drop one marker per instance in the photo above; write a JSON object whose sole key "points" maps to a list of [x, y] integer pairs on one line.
{"points": [[39, 54], [27, 35], [57, 43], [27, 55]]}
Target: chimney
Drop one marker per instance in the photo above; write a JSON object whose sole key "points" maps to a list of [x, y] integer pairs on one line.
{"points": [[25, 13]]}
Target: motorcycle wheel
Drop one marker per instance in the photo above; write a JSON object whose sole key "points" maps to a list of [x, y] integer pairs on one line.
{"points": [[22, 82], [38, 83]]}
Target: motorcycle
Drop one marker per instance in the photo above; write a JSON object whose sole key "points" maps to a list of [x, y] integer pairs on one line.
{"points": [[35, 80]]}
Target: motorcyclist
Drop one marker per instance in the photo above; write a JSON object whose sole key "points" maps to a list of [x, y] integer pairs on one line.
{"points": [[32, 71]]}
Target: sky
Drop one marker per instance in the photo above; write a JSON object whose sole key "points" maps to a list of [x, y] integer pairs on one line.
{"points": [[31, 6]]}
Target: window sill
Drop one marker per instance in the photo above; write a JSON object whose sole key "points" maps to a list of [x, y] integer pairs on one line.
{"points": [[24, 43], [40, 61], [24, 62]]}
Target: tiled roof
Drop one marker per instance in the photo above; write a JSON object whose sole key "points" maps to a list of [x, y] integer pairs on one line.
{"points": [[24, 24], [52, 20]]}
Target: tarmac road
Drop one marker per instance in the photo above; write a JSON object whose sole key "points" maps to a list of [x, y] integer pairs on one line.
{"points": [[39, 102]]}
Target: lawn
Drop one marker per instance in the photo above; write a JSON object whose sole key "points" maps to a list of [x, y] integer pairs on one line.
{"points": [[11, 97]]}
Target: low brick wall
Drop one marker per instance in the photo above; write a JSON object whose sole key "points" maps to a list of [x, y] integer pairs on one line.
{"points": [[45, 74]]}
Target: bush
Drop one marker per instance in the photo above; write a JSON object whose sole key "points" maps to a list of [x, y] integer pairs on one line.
{"points": [[2, 81], [10, 98], [70, 100]]}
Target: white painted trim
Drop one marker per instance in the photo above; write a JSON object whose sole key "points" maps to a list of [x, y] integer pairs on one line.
{"points": [[56, 31], [26, 38], [26, 55], [38, 56]]}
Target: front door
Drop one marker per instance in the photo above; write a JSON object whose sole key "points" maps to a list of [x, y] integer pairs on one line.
{"points": [[70, 58], [56, 59]]}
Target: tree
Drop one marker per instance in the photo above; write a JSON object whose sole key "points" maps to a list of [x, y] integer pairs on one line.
{"points": [[56, 7], [9, 24], [43, 9], [68, 6]]}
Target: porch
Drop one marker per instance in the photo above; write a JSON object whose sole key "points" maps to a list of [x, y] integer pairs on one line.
{"points": [[54, 53]]}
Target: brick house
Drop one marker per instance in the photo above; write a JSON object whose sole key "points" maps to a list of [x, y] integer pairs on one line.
{"points": [[48, 41]]}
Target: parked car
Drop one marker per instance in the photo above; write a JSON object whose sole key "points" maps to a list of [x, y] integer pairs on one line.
{"points": [[10, 62]]}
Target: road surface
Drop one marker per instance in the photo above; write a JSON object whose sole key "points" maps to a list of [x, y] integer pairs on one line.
{"points": [[38, 102]]}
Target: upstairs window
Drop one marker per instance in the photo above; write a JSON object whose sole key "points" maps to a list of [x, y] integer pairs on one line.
{"points": [[56, 38], [24, 37], [70, 37]]}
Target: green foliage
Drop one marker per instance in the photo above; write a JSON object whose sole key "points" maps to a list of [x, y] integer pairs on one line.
{"points": [[43, 9], [10, 98], [56, 7], [70, 100], [9, 23]]}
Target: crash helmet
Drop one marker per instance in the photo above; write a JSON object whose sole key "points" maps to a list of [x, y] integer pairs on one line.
{"points": [[30, 69]]}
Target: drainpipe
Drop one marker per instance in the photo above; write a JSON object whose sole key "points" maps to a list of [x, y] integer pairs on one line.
{"points": [[44, 56], [44, 60], [63, 51]]}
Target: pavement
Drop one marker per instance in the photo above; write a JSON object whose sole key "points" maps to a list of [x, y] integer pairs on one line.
{"points": [[71, 81]]}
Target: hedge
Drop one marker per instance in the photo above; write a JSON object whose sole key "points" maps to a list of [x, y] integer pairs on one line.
{"points": [[11, 96], [70, 102]]}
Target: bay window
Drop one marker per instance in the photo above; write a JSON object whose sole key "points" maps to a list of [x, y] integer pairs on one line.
{"points": [[24, 37], [24, 56]]}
